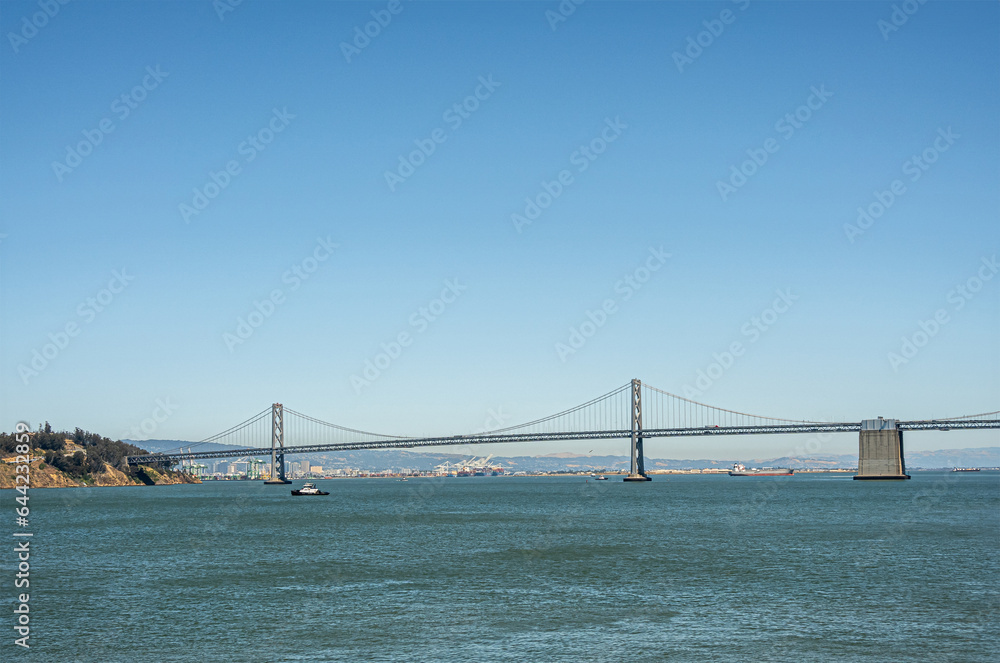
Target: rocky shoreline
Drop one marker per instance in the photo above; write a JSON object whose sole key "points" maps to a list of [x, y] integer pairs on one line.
{"points": [[43, 475]]}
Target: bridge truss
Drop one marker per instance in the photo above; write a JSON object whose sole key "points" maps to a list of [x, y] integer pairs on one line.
{"points": [[634, 411]]}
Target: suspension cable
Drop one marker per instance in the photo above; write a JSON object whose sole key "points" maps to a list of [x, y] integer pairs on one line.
{"points": [[565, 412], [712, 407]]}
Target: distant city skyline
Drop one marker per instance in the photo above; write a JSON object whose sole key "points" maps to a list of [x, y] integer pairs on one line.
{"points": [[430, 218]]}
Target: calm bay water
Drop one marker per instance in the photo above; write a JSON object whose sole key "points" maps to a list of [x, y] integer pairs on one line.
{"points": [[806, 568]]}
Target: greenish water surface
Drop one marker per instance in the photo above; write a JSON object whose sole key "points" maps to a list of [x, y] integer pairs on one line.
{"points": [[684, 568]]}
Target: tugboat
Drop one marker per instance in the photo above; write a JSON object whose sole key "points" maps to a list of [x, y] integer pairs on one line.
{"points": [[601, 478], [309, 489], [740, 470]]}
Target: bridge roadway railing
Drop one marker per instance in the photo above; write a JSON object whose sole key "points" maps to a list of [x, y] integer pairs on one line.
{"points": [[487, 438], [501, 438], [948, 424]]}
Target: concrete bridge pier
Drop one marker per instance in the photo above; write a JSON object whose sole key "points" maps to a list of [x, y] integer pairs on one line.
{"points": [[880, 451]]}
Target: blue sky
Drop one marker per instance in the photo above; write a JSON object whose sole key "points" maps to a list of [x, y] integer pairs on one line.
{"points": [[222, 83]]}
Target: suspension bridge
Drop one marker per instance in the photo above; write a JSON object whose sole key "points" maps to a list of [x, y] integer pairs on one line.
{"points": [[634, 411]]}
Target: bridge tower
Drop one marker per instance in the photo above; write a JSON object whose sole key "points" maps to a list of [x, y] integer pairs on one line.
{"points": [[637, 471], [277, 445], [880, 451]]}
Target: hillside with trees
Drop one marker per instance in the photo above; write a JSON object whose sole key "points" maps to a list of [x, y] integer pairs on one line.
{"points": [[81, 458]]}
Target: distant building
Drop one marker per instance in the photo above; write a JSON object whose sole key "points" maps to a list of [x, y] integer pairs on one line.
{"points": [[316, 469]]}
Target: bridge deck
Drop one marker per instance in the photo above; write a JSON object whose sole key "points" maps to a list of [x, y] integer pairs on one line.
{"points": [[487, 438]]}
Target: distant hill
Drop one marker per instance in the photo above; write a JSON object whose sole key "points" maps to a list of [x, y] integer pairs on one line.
{"points": [[161, 446], [399, 459], [980, 457]]}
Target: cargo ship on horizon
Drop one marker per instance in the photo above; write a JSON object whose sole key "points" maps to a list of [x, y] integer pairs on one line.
{"points": [[740, 470]]}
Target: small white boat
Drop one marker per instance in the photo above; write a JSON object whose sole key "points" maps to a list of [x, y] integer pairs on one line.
{"points": [[309, 489], [601, 478]]}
